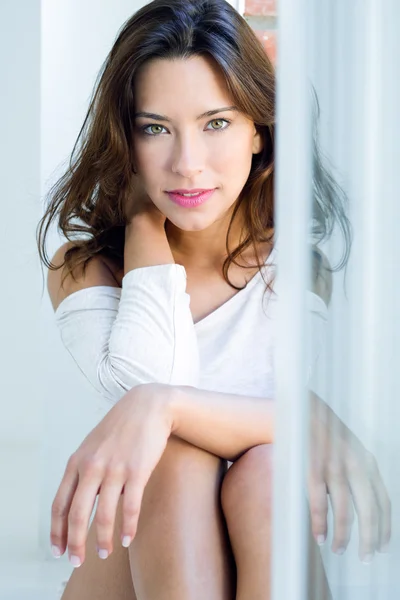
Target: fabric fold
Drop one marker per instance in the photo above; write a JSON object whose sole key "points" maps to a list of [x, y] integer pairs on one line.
{"points": [[142, 333]]}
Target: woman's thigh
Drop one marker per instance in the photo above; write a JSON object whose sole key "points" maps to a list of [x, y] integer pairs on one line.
{"points": [[247, 500], [182, 542]]}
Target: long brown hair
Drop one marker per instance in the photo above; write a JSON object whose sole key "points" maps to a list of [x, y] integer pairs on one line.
{"points": [[88, 201]]}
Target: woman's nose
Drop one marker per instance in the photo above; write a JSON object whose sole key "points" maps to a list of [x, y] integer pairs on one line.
{"points": [[188, 158]]}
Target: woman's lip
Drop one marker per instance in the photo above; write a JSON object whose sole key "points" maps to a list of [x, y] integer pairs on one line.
{"points": [[190, 202], [188, 191]]}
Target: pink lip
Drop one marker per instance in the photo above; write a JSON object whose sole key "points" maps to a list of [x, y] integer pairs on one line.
{"points": [[182, 191], [190, 202]]}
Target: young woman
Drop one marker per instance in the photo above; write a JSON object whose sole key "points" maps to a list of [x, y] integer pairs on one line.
{"points": [[167, 306]]}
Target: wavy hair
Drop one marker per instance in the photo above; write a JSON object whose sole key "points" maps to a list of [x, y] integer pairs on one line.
{"points": [[89, 199]]}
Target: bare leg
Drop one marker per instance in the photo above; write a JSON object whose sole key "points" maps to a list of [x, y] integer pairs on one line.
{"points": [[181, 543], [247, 504], [181, 549], [99, 579]]}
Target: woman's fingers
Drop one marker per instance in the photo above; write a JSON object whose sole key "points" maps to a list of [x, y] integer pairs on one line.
{"points": [[79, 515], [385, 508], [318, 501], [106, 511], [342, 508], [61, 506], [131, 505], [368, 513], [73, 506]]}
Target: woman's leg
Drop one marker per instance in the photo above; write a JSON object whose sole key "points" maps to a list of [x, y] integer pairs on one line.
{"points": [[181, 550], [99, 579], [246, 498]]}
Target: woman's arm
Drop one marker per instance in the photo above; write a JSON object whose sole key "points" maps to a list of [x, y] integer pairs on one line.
{"points": [[142, 333], [322, 281], [146, 244], [226, 425]]}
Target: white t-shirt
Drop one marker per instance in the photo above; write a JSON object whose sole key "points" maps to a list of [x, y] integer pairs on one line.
{"points": [[144, 332]]}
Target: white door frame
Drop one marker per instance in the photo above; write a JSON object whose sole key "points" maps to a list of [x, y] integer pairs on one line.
{"points": [[239, 5]]}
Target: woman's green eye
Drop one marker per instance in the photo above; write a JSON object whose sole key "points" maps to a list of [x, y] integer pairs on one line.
{"points": [[160, 127], [220, 121]]}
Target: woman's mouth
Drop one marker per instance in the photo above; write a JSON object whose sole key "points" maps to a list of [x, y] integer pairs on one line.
{"points": [[190, 199]]}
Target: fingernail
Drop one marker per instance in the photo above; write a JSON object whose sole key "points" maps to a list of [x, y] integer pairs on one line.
{"points": [[56, 552], [320, 540], [367, 559], [384, 549], [75, 560], [103, 554], [126, 540], [340, 551]]}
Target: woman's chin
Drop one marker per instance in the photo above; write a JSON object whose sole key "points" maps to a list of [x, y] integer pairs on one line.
{"points": [[191, 223]]}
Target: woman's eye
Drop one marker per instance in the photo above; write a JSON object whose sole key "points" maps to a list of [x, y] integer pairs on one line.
{"points": [[157, 133], [220, 121], [144, 129]]}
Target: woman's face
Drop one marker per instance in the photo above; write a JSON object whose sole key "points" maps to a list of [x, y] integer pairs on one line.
{"points": [[188, 151]]}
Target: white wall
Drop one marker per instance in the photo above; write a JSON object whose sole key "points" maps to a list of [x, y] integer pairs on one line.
{"points": [[20, 398], [20, 179]]}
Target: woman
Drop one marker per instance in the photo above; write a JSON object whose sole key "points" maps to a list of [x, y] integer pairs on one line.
{"points": [[182, 349]]}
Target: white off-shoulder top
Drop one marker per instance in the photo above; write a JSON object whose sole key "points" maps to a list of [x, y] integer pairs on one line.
{"points": [[144, 332]]}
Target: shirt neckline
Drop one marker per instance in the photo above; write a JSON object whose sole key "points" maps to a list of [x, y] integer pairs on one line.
{"points": [[117, 290], [238, 296]]}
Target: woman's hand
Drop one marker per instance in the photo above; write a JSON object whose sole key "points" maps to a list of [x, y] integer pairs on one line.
{"points": [[117, 457], [141, 207], [341, 466]]}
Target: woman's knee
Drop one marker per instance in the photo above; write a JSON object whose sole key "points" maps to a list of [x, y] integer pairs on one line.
{"points": [[182, 466], [249, 480], [180, 454]]}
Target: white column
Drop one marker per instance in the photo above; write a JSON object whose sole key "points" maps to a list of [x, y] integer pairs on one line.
{"points": [[238, 4], [292, 211]]}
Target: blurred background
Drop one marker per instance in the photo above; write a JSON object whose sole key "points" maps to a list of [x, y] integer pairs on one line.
{"points": [[50, 55]]}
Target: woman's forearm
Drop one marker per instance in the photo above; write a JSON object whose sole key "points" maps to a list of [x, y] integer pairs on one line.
{"points": [[146, 245], [226, 425]]}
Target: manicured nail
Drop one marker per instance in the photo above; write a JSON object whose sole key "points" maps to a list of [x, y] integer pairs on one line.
{"points": [[75, 561], [126, 540], [384, 549], [368, 559], [103, 554], [320, 540], [55, 550], [340, 551]]}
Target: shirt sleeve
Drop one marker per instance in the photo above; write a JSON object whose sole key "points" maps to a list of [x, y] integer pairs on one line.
{"points": [[317, 334], [142, 333]]}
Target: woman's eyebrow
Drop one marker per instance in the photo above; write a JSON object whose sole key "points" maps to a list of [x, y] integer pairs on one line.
{"points": [[209, 113]]}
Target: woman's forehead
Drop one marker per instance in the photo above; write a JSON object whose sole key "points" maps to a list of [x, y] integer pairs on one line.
{"points": [[170, 77]]}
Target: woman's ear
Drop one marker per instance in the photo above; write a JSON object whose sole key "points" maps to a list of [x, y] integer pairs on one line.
{"points": [[258, 144]]}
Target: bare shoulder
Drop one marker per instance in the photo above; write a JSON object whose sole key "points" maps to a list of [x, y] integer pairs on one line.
{"points": [[99, 271], [321, 275]]}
